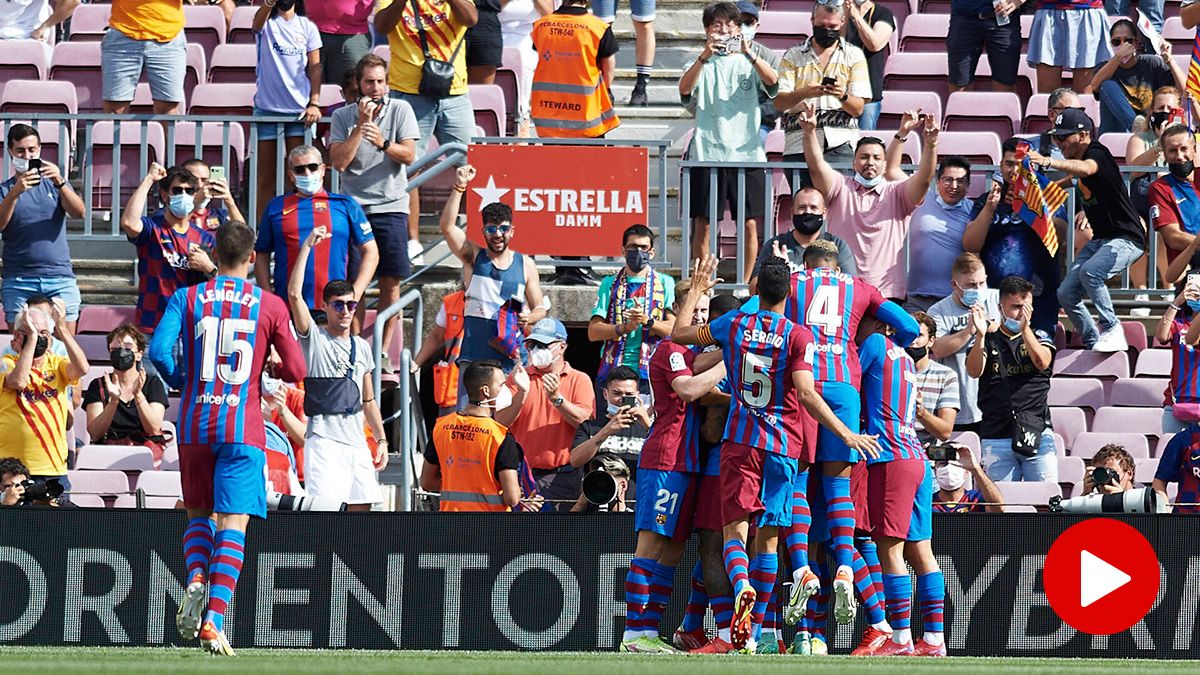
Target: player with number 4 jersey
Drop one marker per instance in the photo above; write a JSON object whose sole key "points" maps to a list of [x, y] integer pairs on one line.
{"points": [[226, 327]]}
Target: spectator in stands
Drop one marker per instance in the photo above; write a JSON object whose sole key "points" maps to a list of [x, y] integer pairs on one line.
{"points": [[869, 211], [34, 205], [721, 88], [1059, 100], [207, 215], [1174, 204], [1013, 365], [955, 317], [173, 252], [1126, 83], [952, 497], [642, 13], [1118, 476], [549, 402], [441, 105], [345, 32], [313, 209], [808, 225], [288, 84], [482, 458], [621, 429], [144, 35], [338, 393], [516, 25], [938, 404], [1118, 236], [34, 403], [633, 310], [497, 280], [1143, 148], [869, 27], [979, 25], [283, 406], [13, 475], [445, 343], [936, 241], [1067, 34], [1182, 398], [831, 75], [485, 43], [1189, 15], [124, 406], [768, 115], [1009, 247], [1180, 463], [372, 143], [33, 19], [625, 485]]}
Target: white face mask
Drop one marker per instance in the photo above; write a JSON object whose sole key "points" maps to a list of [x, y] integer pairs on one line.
{"points": [[950, 476], [20, 164], [540, 357]]}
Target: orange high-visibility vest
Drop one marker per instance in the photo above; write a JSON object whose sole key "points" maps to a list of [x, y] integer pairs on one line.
{"points": [[445, 372], [466, 449], [569, 97]]}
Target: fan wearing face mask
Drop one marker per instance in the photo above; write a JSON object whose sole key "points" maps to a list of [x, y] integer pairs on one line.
{"points": [[1174, 200], [808, 225], [952, 495], [937, 386], [124, 406]]}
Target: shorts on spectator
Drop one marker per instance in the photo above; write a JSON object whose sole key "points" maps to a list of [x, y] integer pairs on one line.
{"points": [[640, 10], [969, 36], [843, 400], [756, 484], [901, 496], [1076, 38], [727, 186], [15, 291], [124, 58], [267, 131], [391, 235], [666, 502], [225, 478], [485, 42], [450, 119], [340, 53], [708, 504], [340, 471]]}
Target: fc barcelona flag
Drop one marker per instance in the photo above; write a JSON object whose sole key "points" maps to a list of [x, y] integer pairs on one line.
{"points": [[1036, 198], [1193, 78]]}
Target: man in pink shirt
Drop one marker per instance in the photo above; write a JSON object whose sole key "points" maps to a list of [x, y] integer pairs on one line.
{"points": [[345, 37], [867, 210]]}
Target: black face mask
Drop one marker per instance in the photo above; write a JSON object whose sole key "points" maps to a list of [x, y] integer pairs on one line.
{"points": [[43, 343], [826, 37], [285, 5], [917, 353], [1158, 119], [1182, 170], [122, 359], [807, 223]]}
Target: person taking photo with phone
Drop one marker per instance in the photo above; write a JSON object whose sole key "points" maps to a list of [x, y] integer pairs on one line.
{"points": [[620, 428]]}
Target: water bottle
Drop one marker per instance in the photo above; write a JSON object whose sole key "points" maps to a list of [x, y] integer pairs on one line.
{"points": [[1001, 19]]}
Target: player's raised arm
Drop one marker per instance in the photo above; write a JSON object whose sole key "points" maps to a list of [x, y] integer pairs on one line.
{"points": [[703, 281], [905, 325], [295, 288], [806, 391], [292, 367], [166, 336]]}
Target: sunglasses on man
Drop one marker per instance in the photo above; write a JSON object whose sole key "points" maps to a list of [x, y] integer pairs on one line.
{"points": [[344, 306], [302, 169], [493, 230]]}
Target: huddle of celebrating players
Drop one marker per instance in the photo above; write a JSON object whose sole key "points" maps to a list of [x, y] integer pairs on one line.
{"points": [[794, 372]]}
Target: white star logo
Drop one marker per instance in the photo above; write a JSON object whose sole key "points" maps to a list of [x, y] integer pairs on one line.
{"points": [[489, 194]]}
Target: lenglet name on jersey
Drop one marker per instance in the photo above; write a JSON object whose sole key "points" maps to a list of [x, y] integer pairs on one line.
{"points": [[227, 295], [762, 337]]}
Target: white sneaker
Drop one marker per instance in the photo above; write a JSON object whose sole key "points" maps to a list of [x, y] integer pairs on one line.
{"points": [[844, 604], [1140, 312], [385, 363], [415, 250], [191, 611], [1111, 340], [805, 585]]}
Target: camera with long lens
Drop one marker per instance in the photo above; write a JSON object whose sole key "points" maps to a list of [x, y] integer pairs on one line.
{"points": [[1141, 500], [600, 484], [277, 501], [1102, 475], [39, 490]]}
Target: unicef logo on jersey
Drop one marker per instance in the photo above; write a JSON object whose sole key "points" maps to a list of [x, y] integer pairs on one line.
{"points": [[231, 400]]}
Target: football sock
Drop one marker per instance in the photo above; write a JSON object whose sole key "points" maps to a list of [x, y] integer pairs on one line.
{"points": [[763, 571], [870, 554], [931, 589], [228, 554], [898, 589], [840, 518], [198, 546], [693, 616], [661, 583], [643, 75], [872, 600], [637, 594], [818, 606], [796, 535], [736, 563], [722, 606]]}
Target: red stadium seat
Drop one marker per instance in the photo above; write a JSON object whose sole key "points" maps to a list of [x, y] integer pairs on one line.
{"points": [[56, 140], [934, 6], [1090, 442], [160, 483], [1153, 363], [240, 31], [212, 144], [222, 99], [143, 102], [925, 33], [24, 60], [1141, 392], [979, 111], [895, 103], [204, 25], [103, 318], [89, 21], [1068, 422], [1144, 468], [1035, 120], [1027, 493], [79, 64], [95, 347], [1181, 38], [1070, 474], [130, 166], [911, 154], [1116, 144], [782, 30], [508, 78], [130, 458], [1113, 420], [1087, 363], [1161, 445], [1077, 392], [38, 96], [233, 63], [488, 103], [917, 72]]}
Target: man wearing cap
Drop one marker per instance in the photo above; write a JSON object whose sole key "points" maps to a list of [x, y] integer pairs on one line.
{"points": [[1118, 237], [549, 401], [766, 107]]}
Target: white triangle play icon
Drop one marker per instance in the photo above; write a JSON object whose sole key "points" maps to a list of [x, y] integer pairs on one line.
{"points": [[1097, 578]]}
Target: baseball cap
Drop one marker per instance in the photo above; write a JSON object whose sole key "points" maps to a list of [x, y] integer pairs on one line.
{"points": [[548, 331], [1070, 121], [747, 7]]}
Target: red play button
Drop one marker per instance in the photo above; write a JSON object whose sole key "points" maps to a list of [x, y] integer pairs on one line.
{"points": [[1101, 576]]}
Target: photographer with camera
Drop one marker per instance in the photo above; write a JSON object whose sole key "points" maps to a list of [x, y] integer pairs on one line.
{"points": [[621, 429], [952, 462], [1110, 472], [17, 489], [606, 482]]}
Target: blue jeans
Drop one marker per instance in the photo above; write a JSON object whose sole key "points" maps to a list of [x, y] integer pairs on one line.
{"points": [[869, 119], [1153, 9], [1116, 114], [15, 291], [1001, 463], [1099, 260], [125, 59], [451, 119]]}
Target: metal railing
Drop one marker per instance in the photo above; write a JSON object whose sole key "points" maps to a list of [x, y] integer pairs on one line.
{"points": [[408, 428]]}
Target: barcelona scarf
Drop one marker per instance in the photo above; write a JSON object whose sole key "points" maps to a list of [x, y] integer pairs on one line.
{"points": [[1036, 198], [508, 330], [652, 296], [1193, 78]]}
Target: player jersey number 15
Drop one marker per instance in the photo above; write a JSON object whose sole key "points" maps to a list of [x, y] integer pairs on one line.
{"points": [[225, 341]]}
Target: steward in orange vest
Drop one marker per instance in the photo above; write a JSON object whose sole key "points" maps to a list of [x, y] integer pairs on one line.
{"points": [[471, 458], [575, 67]]}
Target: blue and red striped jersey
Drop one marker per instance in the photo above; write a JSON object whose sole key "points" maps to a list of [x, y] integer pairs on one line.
{"points": [[762, 349], [674, 440], [971, 502], [226, 327], [1180, 463], [1185, 364], [163, 266], [287, 222], [889, 390]]}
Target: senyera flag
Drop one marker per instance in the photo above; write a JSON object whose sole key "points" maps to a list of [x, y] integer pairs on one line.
{"points": [[1036, 198], [567, 200]]}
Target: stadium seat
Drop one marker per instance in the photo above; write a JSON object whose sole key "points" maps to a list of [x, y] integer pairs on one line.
{"points": [[204, 25], [1035, 120], [114, 458], [1153, 363], [1116, 144], [86, 501], [1146, 421], [89, 21], [103, 318], [385, 52], [917, 72], [233, 63], [934, 6], [110, 483], [969, 439], [1070, 474], [980, 148], [160, 483], [240, 31], [1089, 442], [895, 103], [143, 101], [79, 64], [1087, 363], [1144, 468], [1145, 392], [1067, 422], [925, 33], [1080, 392], [508, 79], [781, 30], [182, 146], [488, 102], [38, 96], [124, 502], [129, 167], [24, 60], [210, 98], [911, 154], [1181, 38], [56, 138], [1028, 493], [79, 425], [1161, 446], [95, 347]]}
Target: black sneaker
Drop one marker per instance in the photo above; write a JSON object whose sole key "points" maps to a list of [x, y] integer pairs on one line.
{"points": [[638, 97]]}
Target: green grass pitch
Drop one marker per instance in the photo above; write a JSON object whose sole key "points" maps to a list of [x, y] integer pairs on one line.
{"points": [[92, 660]]}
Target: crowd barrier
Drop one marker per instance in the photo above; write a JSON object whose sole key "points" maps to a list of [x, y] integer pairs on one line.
{"points": [[509, 582]]}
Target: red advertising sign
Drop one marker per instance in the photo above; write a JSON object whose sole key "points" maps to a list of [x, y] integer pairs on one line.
{"points": [[566, 199]]}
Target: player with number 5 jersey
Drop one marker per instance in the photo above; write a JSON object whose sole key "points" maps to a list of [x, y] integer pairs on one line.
{"points": [[226, 327]]}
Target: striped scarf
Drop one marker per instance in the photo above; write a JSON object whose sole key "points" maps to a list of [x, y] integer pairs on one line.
{"points": [[653, 300]]}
